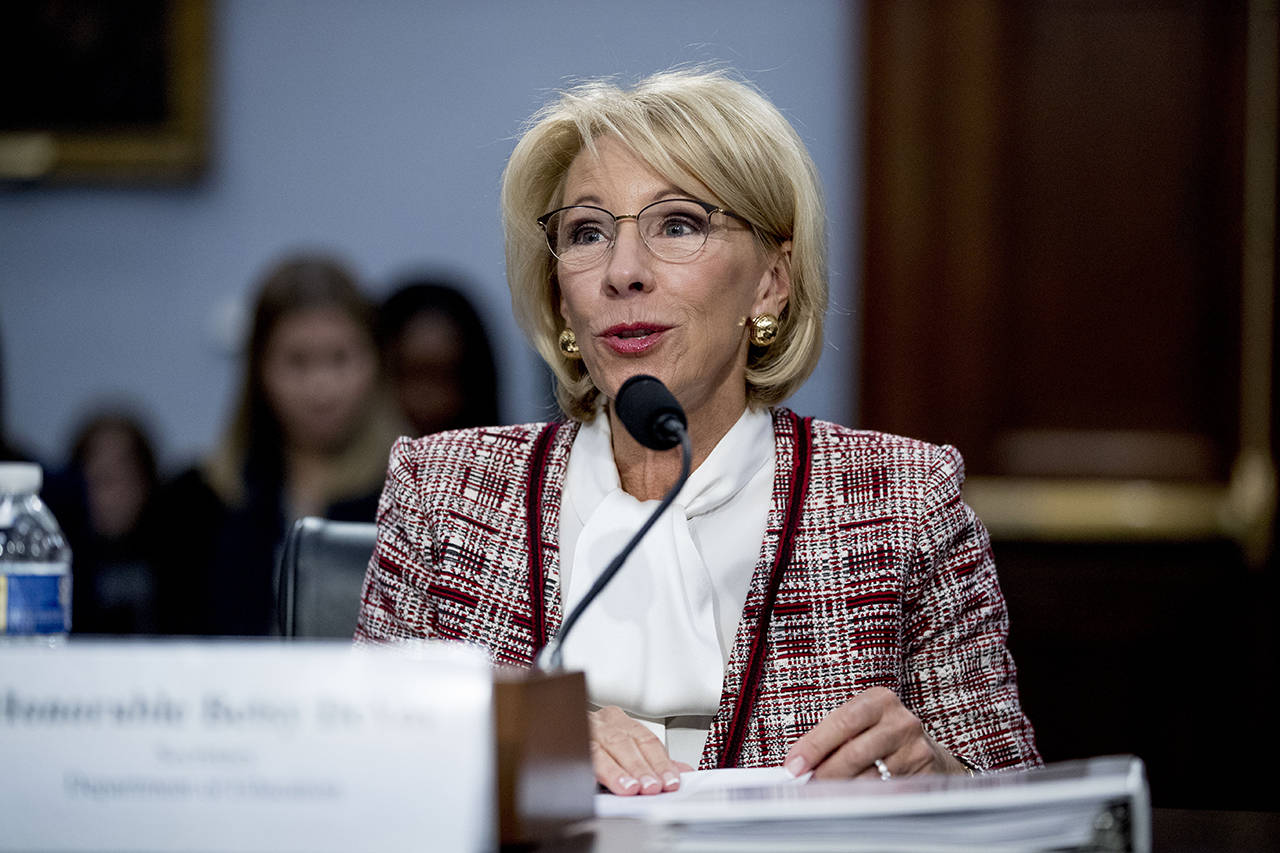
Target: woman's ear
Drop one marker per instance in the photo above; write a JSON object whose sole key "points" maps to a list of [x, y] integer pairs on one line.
{"points": [[775, 285], [557, 302]]}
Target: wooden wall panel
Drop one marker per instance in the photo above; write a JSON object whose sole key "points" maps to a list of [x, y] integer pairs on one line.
{"points": [[1068, 208], [1122, 207], [1054, 201]]}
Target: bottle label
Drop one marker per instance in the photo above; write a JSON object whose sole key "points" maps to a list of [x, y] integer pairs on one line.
{"points": [[34, 604]]}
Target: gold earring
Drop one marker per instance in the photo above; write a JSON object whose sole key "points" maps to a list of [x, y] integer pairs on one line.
{"points": [[569, 345], [764, 329]]}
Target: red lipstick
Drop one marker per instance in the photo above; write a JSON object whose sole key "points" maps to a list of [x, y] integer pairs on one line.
{"points": [[633, 338]]}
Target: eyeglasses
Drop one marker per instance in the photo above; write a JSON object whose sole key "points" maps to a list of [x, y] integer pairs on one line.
{"points": [[674, 229]]}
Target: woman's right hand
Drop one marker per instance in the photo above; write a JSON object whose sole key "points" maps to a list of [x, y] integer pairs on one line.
{"points": [[628, 758]]}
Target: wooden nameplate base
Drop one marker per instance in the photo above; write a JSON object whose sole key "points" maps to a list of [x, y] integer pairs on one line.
{"points": [[545, 780]]}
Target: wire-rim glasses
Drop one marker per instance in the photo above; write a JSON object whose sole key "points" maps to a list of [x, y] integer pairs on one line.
{"points": [[674, 229]]}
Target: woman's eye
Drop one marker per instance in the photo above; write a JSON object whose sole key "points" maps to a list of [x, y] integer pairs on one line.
{"points": [[585, 235], [680, 226]]}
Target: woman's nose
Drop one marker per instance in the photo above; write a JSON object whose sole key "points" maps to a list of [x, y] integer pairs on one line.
{"points": [[628, 267]]}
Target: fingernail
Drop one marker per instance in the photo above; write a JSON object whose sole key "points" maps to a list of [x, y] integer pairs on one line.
{"points": [[648, 783], [795, 765], [627, 783], [672, 780]]}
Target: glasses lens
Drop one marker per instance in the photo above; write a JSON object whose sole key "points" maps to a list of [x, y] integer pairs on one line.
{"points": [[674, 229], [579, 235]]}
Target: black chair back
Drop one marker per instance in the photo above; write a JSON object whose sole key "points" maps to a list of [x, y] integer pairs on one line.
{"points": [[321, 573]]}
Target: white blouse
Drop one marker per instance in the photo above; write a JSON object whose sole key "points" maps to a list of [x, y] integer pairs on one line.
{"points": [[656, 641]]}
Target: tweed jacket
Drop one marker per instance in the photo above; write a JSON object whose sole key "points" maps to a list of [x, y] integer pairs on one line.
{"points": [[873, 571]]}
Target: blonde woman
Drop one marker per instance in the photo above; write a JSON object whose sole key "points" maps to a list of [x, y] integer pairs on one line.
{"points": [[818, 597]]}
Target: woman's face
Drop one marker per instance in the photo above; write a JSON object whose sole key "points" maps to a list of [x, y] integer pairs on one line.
{"points": [[318, 371], [116, 483], [427, 370], [683, 322]]}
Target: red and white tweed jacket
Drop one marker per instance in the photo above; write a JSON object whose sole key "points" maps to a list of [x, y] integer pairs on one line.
{"points": [[873, 571]]}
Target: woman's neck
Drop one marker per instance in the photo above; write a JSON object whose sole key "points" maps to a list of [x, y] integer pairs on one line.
{"points": [[648, 474], [307, 481]]}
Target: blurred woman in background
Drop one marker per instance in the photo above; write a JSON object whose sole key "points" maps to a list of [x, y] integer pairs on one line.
{"points": [[309, 436], [438, 357], [107, 516], [8, 452]]}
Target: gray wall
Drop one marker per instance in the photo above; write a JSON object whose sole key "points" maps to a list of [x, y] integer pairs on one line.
{"points": [[379, 130]]}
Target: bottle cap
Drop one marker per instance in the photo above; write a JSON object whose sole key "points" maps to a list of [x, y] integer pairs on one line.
{"points": [[20, 478]]}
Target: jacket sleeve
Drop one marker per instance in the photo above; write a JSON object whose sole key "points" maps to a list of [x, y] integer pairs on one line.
{"points": [[959, 676], [394, 603]]}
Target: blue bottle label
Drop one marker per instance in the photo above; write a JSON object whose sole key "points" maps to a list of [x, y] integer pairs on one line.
{"points": [[32, 604]]}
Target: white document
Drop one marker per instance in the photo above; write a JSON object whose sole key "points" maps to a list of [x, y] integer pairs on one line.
{"points": [[1099, 803], [245, 745], [697, 782]]}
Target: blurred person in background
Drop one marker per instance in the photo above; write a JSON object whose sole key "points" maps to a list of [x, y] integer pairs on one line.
{"points": [[438, 357], [310, 435], [8, 452], [103, 501]]}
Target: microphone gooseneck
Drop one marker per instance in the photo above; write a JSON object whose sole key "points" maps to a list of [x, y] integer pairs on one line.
{"points": [[655, 419]]}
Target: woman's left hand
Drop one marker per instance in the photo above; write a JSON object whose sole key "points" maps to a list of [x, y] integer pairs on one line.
{"points": [[872, 725]]}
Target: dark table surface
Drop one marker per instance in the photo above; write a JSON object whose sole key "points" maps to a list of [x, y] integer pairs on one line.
{"points": [[1173, 831], [1196, 830]]}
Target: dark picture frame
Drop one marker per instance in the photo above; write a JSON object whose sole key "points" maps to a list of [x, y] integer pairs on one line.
{"points": [[104, 91]]}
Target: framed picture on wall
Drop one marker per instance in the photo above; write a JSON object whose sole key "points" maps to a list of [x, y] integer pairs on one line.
{"points": [[104, 91]]}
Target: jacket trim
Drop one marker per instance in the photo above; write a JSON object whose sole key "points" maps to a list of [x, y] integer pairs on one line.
{"points": [[803, 431], [533, 519]]}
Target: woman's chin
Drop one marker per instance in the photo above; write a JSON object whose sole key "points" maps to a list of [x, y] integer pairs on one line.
{"points": [[327, 442]]}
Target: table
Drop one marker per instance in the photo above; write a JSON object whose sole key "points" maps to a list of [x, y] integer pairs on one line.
{"points": [[1178, 830], [1173, 831]]}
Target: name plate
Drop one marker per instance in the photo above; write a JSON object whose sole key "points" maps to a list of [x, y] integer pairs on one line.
{"points": [[246, 745]]}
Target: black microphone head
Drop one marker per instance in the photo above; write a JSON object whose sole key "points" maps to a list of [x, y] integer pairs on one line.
{"points": [[647, 409]]}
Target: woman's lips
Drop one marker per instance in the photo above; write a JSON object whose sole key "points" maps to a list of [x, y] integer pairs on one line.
{"points": [[632, 338]]}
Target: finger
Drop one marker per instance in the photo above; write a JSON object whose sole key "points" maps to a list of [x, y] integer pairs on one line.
{"points": [[668, 771], [835, 729], [857, 757], [883, 769], [671, 777], [921, 755], [909, 759], [898, 740], [610, 774], [611, 725], [635, 749]]}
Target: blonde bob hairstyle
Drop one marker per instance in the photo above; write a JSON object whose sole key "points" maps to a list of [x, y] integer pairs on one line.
{"points": [[689, 126]]}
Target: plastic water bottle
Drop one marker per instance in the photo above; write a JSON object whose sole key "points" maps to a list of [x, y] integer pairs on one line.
{"points": [[35, 559]]}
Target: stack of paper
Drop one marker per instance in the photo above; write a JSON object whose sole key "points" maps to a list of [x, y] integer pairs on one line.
{"points": [[1096, 804]]}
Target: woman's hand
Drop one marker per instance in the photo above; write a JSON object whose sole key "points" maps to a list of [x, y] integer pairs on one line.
{"points": [[872, 725], [628, 758]]}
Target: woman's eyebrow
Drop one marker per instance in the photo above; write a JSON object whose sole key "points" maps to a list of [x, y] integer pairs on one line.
{"points": [[658, 195]]}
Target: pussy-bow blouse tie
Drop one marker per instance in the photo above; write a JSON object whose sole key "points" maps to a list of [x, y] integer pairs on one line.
{"points": [[650, 642]]}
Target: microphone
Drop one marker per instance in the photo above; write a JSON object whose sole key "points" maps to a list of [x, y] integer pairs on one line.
{"points": [[654, 418], [650, 412]]}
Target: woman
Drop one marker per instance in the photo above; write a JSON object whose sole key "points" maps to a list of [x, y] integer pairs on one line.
{"points": [[108, 512], [8, 452], [438, 357], [309, 436], [819, 598]]}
